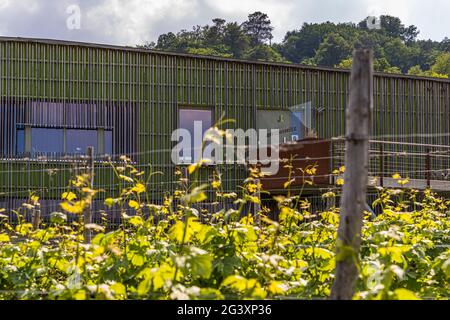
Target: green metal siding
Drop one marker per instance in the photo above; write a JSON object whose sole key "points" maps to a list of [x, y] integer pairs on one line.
{"points": [[157, 84]]}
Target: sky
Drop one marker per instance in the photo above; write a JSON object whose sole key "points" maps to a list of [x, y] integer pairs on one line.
{"points": [[131, 22]]}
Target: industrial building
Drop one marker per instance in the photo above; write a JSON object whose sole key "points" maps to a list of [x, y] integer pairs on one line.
{"points": [[58, 97]]}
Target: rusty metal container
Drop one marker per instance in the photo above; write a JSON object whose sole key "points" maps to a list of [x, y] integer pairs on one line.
{"points": [[306, 153]]}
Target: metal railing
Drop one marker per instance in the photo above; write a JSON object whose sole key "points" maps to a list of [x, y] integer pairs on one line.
{"points": [[425, 165]]}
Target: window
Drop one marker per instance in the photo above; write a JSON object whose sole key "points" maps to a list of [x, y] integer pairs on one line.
{"points": [[108, 142], [298, 128], [277, 120], [44, 140], [77, 141], [196, 122], [38, 141], [17, 119], [301, 120], [293, 124], [20, 141]]}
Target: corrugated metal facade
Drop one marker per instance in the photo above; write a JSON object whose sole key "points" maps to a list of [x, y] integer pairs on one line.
{"points": [[137, 93]]}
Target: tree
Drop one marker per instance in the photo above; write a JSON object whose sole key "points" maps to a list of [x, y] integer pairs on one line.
{"points": [[309, 62], [166, 41], [209, 52], [395, 48], [427, 51], [235, 38], [442, 64], [332, 50], [394, 27], [400, 55], [258, 28], [214, 34], [393, 70], [147, 45], [299, 45], [417, 71], [345, 64], [380, 65], [263, 52], [410, 33], [445, 45]]}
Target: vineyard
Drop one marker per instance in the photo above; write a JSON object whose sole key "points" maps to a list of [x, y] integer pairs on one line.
{"points": [[223, 162], [178, 251]]}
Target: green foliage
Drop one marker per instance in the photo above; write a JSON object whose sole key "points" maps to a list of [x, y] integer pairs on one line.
{"points": [[395, 47], [380, 65], [393, 27], [442, 64], [187, 254], [209, 52], [303, 43], [263, 52], [258, 28], [345, 64], [332, 50], [235, 39], [417, 71], [392, 70]]}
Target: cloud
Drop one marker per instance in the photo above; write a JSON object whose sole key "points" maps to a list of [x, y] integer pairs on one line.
{"points": [[135, 21], [130, 22]]}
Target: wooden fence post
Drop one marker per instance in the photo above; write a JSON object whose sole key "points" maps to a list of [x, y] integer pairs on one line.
{"points": [[88, 209], [358, 124]]}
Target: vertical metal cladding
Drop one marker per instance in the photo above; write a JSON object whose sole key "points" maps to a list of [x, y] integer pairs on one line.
{"points": [[137, 94]]}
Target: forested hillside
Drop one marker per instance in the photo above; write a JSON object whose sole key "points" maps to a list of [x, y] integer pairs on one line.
{"points": [[396, 47]]}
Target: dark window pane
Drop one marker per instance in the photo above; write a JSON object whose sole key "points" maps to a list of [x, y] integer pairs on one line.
{"points": [[188, 117], [77, 140], [108, 142], [47, 140], [20, 141]]}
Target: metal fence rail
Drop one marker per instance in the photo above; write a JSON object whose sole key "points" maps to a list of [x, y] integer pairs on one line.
{"points": [[48, 178]]}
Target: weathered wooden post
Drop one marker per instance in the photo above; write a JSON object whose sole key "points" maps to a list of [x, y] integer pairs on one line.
{"points": [[88, 209], [358, 125]]}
